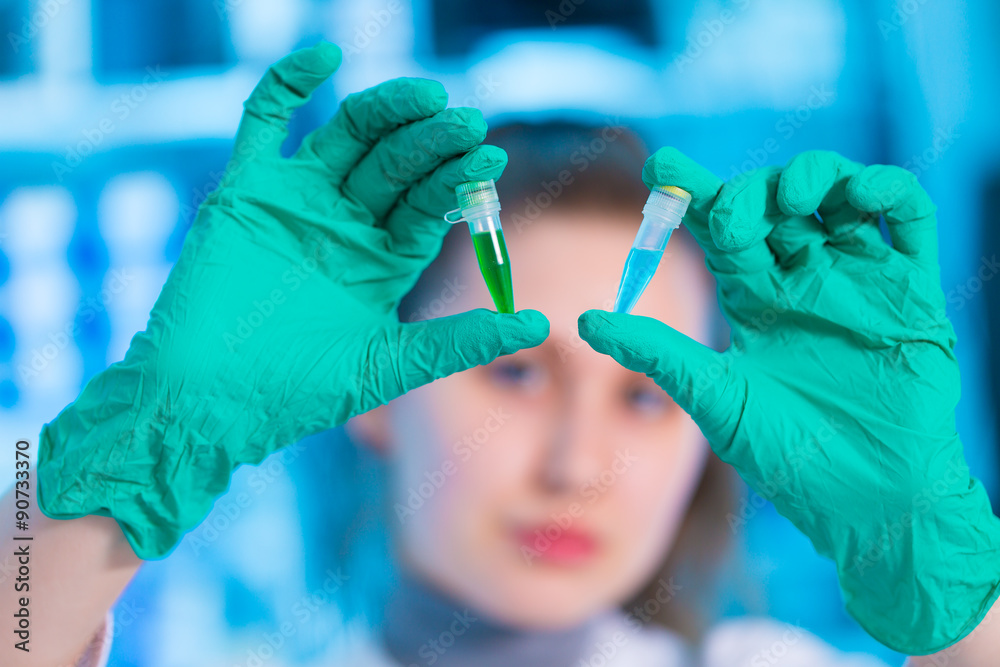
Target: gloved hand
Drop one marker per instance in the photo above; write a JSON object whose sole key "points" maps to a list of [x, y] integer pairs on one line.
{"points": [[279, 318], [836, 399]]}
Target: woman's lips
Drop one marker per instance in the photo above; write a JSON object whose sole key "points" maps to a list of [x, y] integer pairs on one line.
{"points": [[553, 544]]}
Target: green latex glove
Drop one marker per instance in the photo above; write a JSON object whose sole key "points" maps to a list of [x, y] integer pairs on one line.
{"points": [[279, 318], [836, 399]]}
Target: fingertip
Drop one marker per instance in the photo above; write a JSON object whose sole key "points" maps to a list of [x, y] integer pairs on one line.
{"points": [[739, 219], [730, 230], [665, 163], [525, 328], [590, 314], [595, 323], [484, 162], [897, 194], [330, 54], [533, 318], [479, 163], [426, 95], [669, 166], [291, 80], [436, 93], [660, 165], [878, 186], [586, 323], [794, 196], [471, 122]]}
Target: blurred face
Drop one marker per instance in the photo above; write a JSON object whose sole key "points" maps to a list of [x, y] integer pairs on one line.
{"points": [[547, 486]]}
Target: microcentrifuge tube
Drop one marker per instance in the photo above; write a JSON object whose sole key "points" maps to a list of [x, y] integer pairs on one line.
{"points": [[479, 205], [661, 215]]}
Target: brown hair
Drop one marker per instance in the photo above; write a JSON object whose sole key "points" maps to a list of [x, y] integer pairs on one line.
{"points": [[571, 166]]}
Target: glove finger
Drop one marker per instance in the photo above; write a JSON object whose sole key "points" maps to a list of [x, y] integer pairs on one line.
{"points": [[668, 166], [794, 239], [909, 212], [416, 224], [745, 213], [695, 376], [404, 157], [286, 86], [427, 350], [365, 117], [816, 181], [797, 241]]}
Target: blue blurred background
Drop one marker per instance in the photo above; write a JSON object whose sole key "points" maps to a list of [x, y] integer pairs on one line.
{"points": [[117, 117]]}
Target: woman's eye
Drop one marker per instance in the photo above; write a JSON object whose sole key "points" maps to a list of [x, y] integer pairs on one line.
{"points": [[516, 374], [650, 401]]}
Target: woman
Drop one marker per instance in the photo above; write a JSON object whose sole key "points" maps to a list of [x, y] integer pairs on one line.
{"points": [[233, 365], [540, 494], [547, 502]]}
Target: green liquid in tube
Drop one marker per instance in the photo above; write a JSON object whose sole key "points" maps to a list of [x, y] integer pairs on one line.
{"points": [[495, 266]]}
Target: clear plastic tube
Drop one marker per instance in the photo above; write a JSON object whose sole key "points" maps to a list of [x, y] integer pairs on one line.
{"points": [[662, 214], [479, 206]]}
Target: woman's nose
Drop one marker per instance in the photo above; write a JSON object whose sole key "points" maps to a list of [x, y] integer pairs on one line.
{"points": [[579, 443]]}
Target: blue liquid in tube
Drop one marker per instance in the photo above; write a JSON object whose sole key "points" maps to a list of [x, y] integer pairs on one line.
{"points": [[662, 214], [639, 269]]}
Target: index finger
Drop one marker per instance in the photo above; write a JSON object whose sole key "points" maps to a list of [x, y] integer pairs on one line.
{"points": [[365, 117], [668, 166]]}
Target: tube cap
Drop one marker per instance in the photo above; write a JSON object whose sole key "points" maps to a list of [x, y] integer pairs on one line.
{"points": [[674, 190], [668, 201], [475, 193]]}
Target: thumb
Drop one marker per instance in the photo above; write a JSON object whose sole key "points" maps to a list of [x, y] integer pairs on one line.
{"points": [[436, 348], [694, 375], [287, 85]]}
